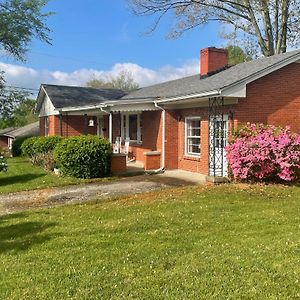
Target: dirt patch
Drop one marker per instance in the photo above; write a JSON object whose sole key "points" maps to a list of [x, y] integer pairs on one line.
{"points": [[15, 202]]}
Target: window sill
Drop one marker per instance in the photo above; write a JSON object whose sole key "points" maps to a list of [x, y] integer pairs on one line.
{"points": [[192, 157]]}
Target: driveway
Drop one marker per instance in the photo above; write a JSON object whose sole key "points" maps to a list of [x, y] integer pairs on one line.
{"points": [[15, 202]]}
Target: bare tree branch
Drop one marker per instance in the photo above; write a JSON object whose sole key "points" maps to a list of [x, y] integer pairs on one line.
{"points": [[271, 24]]}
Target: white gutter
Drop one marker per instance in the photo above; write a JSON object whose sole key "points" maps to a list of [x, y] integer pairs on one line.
{"points": [[103, 110], [78, 108], [202, 95], [129, 101], [163, 115]]}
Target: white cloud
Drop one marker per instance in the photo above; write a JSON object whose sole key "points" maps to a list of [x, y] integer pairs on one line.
{"points": [[31, 78]]}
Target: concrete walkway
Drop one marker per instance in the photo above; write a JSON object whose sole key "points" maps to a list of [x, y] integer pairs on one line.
{"points": [[15, 202]]}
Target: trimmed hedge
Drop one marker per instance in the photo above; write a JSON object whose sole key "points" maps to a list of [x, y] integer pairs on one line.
{"points": [[16, 146], [39, 144], [86, 156], [27, 147]]}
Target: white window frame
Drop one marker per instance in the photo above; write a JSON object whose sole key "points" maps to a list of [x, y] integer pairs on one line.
{"points": [[186, 137], [46, 125], [125, 129]]}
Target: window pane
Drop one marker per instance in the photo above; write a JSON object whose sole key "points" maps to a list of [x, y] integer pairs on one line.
{"points": [[133, 127], [193, 134]]}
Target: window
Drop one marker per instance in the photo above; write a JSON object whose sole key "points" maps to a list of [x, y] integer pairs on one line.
{"points": [[192, 136], [46, 124], [131, 127]]}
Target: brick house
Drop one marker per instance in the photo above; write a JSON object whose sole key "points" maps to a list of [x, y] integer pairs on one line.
{"points": [[184, 123], [8, 135]]}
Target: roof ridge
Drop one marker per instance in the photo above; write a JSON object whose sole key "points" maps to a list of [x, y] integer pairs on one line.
{"points": [[82, 87]]}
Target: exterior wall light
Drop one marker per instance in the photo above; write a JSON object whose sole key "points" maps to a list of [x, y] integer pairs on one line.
{"points": [[91, 123]]}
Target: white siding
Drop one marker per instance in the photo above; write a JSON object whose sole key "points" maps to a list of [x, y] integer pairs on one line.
{"points": [[47, 108]]}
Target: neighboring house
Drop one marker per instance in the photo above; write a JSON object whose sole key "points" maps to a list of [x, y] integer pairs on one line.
{"points": [[185, 122], [5, 140], [7, 135]]}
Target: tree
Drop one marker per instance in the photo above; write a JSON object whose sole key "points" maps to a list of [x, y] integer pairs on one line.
{"points": [[236, 55], [124, 81], [20, 22], [271, 25], [10, 100], [24, 113]]}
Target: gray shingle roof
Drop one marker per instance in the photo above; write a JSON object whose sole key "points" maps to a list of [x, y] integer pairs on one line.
{"points": [[6, 130], [27, 130], [194, 85], [65, 96]]}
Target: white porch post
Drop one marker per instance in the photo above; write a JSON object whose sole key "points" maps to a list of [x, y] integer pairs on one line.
{"points": [[110, 128]]}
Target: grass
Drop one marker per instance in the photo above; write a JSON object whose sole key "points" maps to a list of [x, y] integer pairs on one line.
{"points": [[223, 242], [23, 176]]}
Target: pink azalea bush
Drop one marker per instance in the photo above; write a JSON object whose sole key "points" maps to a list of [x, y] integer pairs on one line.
{"points": [[265, 153]]}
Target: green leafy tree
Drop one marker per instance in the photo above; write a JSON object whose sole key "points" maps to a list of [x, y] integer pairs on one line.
{"points": [[24, 113], [20, 22], [268, 25], [124, 81], [10, 101], [237, 55]]}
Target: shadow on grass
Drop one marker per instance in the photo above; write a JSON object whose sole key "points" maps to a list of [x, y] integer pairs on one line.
{"points": [[19, 178], [22, 236], [5, 218]]}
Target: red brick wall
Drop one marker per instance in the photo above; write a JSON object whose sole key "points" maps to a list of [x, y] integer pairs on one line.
{"points": [[53, 125], [212, 59], [152, 162], [42, 126], [69, 126], [171, 139], [273, 99], [118, 164], [3, 141], [176, 134]]}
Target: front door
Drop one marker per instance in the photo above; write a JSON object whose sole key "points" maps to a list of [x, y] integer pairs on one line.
{"points": [[218, 139]]}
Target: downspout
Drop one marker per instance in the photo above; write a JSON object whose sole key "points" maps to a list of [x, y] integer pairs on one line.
{"points": [[163, 114]]}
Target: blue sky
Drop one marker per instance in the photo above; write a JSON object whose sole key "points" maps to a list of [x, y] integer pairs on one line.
{"points": [[100, 38]]}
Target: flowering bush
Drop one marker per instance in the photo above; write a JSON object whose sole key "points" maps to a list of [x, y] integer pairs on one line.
{"points": [[264, 152], [3, 163]]}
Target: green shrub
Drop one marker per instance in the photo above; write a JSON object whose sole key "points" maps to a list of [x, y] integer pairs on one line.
{"points": [[84, 156], [40, 144], [46, 144], [27, 147], [16, 146]]}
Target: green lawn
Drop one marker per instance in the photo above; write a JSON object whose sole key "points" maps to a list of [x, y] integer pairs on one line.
{"points": [[222, 242], [22, 176]]}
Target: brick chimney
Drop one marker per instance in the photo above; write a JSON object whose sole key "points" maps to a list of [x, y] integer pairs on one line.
{"points": [[212, 59]]}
